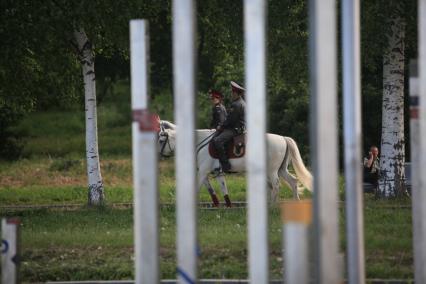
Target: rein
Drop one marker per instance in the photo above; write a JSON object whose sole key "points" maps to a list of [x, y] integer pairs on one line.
{"points": [[199, 146], [206, 141], [164, 146]]}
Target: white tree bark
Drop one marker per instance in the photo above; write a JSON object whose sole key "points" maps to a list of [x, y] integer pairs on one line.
{"points": [[87, 59], [392, 145]]}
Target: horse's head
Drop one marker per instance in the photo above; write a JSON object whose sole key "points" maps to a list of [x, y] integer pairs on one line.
{"points": [[166, 141], [164, 124]]}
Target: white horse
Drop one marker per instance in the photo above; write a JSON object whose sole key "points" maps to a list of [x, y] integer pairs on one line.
{"points": [[281, 151]]}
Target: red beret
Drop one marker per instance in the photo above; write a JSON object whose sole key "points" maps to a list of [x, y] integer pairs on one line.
{"points": [[216, 94]]}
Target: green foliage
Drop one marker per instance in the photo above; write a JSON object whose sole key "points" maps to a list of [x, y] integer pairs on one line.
{"points": [[10, 140], [41, 72], [162, 104]]}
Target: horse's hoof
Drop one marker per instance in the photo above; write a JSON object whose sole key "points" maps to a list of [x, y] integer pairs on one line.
{"points": [[215, 200], [228, 202]]}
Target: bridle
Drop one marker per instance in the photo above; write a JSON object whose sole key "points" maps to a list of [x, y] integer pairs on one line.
{"points": [[165, 143]]}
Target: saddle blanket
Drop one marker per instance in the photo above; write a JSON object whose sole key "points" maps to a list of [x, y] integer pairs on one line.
{"points": [[235, 149]]}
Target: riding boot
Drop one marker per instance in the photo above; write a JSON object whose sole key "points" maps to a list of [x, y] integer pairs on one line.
{"points": [[223, 159], [226, 166], [224, 163], [215, 200], [227, 201]]}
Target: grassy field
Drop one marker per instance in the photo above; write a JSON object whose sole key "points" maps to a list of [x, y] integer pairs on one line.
{"points": [[95, 244], [90, 244]]}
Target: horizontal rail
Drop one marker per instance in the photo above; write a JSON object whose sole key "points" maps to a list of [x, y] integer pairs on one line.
{"points": [[225, 281], [201, 205]]}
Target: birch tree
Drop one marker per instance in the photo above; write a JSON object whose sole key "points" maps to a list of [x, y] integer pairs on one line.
{"points": [[392, 145], [86, 55]]}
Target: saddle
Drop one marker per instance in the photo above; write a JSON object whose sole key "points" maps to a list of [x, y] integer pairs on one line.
{"points": [[236, 148]]}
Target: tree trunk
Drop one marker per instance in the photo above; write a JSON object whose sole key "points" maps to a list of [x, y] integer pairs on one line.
{"points": [[96, 189], [392, 144]]}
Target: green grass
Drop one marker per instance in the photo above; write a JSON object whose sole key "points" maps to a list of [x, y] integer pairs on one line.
{"points": [[63, 181], [55, 244], [98, 244], [388, 242], [53, 136]]}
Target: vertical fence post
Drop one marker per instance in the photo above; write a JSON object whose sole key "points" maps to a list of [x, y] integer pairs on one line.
{"points": [[145, 176], [352, 139], [420, 274], [419, 248], [184, 101], [323, 127], [10, 257], [297, 218], [255, 81]]}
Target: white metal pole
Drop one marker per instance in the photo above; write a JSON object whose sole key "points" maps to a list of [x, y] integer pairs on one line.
{"points": [[145, 182], [419, 248], [255, 81], [184, 100], [10, 250], [139, 47], [420, 275], [323, 127], [352, 140], [297, 217]]}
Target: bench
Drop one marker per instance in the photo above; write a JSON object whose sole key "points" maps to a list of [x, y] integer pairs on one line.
{"points": [[370, 188]]}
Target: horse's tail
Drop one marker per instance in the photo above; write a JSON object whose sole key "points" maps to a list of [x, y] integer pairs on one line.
{"points": [[302, 172]]}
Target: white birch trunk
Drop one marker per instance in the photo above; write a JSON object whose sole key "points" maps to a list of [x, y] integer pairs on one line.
{"points": [[392, 145], [96, 188]]}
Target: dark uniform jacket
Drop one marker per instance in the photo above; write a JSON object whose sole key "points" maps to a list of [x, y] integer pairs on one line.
{"points": [[218, 116], [236, 116]]}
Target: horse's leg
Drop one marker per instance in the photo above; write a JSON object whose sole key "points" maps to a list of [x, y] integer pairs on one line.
{"points": [[224, 188], [212, 193], [203, 178], [288, 178], [274, 185], [292, 182]]}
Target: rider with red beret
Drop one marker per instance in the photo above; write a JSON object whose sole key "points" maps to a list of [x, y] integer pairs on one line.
{"points": [[218, 110]]}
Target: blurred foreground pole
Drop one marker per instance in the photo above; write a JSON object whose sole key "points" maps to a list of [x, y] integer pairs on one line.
{"points": [[144, 147], [10, 250], [255, 81], [184, 63], [323, 128], [352, 140], [297, 218], [420, 246], [418, 195]]}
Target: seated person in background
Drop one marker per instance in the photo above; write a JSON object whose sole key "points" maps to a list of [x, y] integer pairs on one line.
{"points": [[218, 110], [372, 166]]}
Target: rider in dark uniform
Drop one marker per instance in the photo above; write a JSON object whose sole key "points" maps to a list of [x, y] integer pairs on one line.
{"points": [[218, 110], [233, 125]]}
